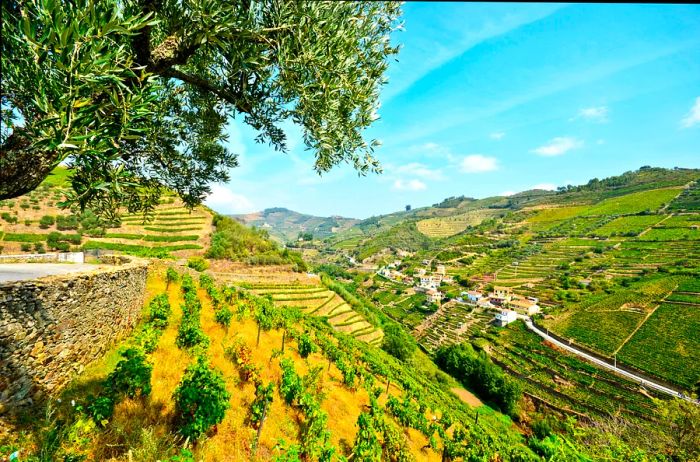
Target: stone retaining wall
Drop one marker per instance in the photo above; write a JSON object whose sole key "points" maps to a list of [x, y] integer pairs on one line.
{"points": [[50, 328]]}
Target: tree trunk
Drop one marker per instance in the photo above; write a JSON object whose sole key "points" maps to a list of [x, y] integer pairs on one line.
{"points": [[22, 169], [257, 342], [284, 336]]}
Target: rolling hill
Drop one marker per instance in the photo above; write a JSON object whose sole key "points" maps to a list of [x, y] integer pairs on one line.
{"points": [[285, 225]]}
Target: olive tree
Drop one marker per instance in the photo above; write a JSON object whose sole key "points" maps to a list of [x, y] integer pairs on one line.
{"points": [[135, 95]]}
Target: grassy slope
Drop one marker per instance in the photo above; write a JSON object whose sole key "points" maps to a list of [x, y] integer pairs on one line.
{"points": [[145, 426]]}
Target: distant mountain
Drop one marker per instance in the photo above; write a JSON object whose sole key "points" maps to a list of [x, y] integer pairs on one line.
{"points": [[285, 225]]}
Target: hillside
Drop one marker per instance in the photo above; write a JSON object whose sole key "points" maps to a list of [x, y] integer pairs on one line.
{"points": [[346, 364], [285, 225], [26, 224], [613, 264]]}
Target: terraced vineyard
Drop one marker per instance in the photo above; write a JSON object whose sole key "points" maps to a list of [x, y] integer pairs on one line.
{"points": [[291, 289], [454, 324], [28, 221], [448, 226], [565, 381]]}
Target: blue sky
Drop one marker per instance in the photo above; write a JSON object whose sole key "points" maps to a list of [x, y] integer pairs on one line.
{"points": [[491, 99]]}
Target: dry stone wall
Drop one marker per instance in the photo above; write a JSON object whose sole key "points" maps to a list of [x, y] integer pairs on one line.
{"points": [[51, 328]]}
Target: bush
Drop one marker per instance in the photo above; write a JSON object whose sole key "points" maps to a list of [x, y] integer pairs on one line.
{"points": [[132, 376], [306, 345], [190, 333], [223, 316], [66, 222], [26, 247], [201, 399], [159, 311], [101, 408], [198, 264], [480, 374], [171, 276], [147, 338], [46, 221], [39, 247], [398, 343]]}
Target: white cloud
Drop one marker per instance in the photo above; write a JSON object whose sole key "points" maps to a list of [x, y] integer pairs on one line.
{"points": [[594, 114], [478, 163], [693, 117], [545, 186], [507, 193], [225, 201], [558, 146], [409, 185], [420, 170], [497, 135]]}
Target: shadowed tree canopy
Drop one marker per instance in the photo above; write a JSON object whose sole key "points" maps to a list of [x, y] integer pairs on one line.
{"points": [[135, 95]]}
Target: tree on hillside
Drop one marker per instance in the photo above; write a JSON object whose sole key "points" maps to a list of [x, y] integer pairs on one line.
{"points": [[135, 95]]}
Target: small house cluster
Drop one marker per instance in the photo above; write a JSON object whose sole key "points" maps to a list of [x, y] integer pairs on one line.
{"points": [[508, 304]]}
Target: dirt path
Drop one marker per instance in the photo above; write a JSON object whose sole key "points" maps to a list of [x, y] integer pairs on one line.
{"points": [[655, 224], [467, 396], [643, 321]]}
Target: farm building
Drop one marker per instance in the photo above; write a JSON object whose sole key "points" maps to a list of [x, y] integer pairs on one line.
{"points": [[505, 317], [434, 296], [473, 295], [440, 269], [524, 306], [502, 292]]}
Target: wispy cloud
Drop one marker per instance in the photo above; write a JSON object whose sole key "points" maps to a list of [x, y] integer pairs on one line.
{"points": [[223, 200], [420, 170], [594, 114], [545, 186], [558, 146], [497, 135], [478, 163], [409, 185], [693, 117]]}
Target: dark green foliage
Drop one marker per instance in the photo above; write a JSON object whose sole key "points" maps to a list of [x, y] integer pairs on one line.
{"points": [[171, 276], [198, 264], [131, 377], [398, 343], [66, 222], [46, 221], [306, 345], [367, 447], [25, 247], [201, 399], [234, 241], [189, 332], [223, 316], [101, 408], [477, 372], [159, 311], [58, 241]]}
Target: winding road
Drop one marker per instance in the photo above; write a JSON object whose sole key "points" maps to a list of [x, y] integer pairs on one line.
{"points": [[642, 381]]}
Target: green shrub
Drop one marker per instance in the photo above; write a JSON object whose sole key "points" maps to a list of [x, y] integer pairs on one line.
{"points": [[159, 311], [171, 276], [201, 399], [398, 343], [132, 376], [46, 221], [198, 264], [306, 345], [39, 247], [223, 316], [25, 247], [66, 222], [100, 408], [147, 338]]}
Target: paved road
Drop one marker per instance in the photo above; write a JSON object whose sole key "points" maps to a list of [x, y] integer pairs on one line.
{"points": [[23, 271], [598, 362]]}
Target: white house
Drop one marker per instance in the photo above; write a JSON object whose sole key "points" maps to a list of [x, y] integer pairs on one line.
{"points": [[474, 296], [434, 296], [420, 272], [505, 317]]}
